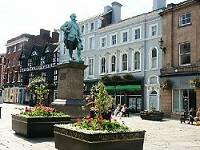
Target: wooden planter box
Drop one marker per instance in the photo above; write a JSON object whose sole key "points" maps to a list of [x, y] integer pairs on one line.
{"points": [[155, 116], [36, 126], [75, 140]]}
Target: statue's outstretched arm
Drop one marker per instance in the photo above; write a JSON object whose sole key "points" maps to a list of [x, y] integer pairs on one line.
{"points": [[64, 27]]}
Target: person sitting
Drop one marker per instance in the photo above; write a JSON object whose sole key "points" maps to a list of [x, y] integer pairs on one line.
{"points": [[124, 110], [184, 116], [197, 118], [117, 110], [191, 116]]}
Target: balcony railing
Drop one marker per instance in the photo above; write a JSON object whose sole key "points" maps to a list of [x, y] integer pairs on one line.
{"points": [[192, 69]]}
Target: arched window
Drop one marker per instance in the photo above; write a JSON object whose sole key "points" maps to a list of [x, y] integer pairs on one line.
{"points": [[153, 80], [154, 58], [113, 63], [153, 100], [124, 62], [137, 61], [103, 65]]}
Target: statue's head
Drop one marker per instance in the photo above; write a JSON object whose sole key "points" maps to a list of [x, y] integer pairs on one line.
{"points": [[73, 17]]}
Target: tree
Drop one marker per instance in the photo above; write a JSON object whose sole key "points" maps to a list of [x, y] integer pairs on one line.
{"points": [[103, 102], [38, 87]]}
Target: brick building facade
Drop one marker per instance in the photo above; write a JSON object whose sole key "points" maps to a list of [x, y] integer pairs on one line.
{"points": [[2, 68], [13, 77], [181, 63]]}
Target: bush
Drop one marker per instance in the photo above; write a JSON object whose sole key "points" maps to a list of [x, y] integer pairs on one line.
{"points": [[105, 79], [41, 111], [166, 85], [101, 124], [116, 78], [129, 77]]}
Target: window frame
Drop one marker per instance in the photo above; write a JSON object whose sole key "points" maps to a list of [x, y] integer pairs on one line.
{"points": [[181, 19], [105, 44], [90, 58], [122, 62], [111, 63], [101, 72], [151, 31], [111, 40], [139, 69], [89, 44], [122, 36], [179, 45], [151, 59], [134, 29], [92, 26]]}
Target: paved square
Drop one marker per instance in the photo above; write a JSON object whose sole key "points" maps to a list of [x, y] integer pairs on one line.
{"points": [[165, 135]]}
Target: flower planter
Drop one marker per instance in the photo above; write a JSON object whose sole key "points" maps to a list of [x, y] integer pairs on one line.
{"points": [[155, 116], [36, 126], [77, 140]]}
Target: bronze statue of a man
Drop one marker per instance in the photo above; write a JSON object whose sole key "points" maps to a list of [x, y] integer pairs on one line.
{"points": [[72, 37]]}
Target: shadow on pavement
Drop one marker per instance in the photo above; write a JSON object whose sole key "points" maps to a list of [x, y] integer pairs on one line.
{"points": [[35, 140]]}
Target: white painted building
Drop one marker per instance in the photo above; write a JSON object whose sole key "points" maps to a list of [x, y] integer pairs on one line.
{"points": [[113, 46]]}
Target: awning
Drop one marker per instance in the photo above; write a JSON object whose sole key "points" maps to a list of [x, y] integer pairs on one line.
{"points": [[124, 88]]}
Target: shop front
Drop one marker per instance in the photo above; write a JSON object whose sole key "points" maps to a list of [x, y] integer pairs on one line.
{"points": [[131, 95], [184, 95]]}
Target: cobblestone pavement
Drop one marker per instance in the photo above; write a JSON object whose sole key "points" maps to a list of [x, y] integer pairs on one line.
{"points": [[165, 135]]}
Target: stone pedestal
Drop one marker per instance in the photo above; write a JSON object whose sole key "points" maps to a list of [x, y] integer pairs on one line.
{"points": [[70, 89]]}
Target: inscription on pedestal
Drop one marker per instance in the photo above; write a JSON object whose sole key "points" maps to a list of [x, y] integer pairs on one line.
{"points": [[62, 76]]}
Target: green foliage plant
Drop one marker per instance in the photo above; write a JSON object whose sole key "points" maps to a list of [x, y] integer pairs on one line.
{"points": [[39, 87]]}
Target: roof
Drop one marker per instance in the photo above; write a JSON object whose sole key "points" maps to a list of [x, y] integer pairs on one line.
{"points": [[173, 6], [19, 37]]}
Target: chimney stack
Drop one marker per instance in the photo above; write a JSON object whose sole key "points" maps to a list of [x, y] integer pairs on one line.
{"points": [[116, 12], [157, 4]]}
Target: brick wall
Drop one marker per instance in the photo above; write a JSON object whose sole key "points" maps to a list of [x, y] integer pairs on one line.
{"points": [[166, 101], [198, 97]]}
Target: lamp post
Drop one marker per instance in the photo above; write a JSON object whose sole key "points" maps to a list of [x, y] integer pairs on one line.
{"points": [[161, 42]]}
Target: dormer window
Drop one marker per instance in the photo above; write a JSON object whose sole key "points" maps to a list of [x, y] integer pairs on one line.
{"points": [[34, 53], [82, 28], [23, 55], [92, 26]]}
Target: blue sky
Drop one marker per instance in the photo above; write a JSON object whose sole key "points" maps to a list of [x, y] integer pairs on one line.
{"points": [[29, 16]]}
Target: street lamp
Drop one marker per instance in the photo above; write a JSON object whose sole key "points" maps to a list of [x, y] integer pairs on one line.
{"points": [[162, 45]]}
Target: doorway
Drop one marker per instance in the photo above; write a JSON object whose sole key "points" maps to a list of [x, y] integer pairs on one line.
{"points": [[135, 104], [189, 99]]}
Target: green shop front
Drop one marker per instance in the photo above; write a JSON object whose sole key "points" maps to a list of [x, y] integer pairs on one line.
{"points": [[124, 92]]}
